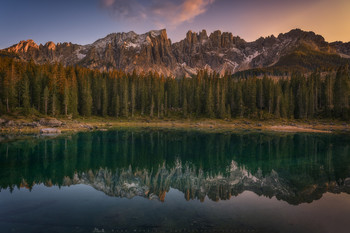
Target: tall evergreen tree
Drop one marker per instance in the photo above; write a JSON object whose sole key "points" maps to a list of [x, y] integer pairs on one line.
{"points": [[210, 103], [341, 93], [25, 95], [125, 98], [46, 99]]}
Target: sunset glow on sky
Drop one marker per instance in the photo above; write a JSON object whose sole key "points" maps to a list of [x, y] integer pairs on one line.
{"points": [[84, 21]]}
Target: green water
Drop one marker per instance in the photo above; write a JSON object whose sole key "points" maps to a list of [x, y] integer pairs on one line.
{"points": [[183, 181]]}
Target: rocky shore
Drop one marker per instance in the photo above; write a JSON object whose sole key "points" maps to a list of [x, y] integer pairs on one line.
{"points": [[55, 126]]}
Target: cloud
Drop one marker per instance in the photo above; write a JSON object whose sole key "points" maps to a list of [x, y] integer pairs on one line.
{"points": [[107, 3], [159, 12]]}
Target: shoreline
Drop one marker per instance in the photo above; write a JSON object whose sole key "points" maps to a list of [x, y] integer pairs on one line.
{"points": [[24, 126]]}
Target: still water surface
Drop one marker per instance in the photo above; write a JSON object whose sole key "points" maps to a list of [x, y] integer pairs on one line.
{"points": [[184, 181]]}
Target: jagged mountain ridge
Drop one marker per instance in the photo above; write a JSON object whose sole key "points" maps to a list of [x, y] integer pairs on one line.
{"points": [[154, 51]]}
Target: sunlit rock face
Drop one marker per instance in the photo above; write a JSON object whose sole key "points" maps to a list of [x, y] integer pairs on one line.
{"points": [[221, 52]]}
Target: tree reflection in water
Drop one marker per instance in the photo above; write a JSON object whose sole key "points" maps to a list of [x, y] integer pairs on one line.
{"points": [[295, 168]]}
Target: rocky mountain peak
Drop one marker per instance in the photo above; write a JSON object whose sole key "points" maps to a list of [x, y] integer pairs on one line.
{"points": [[155, 33], [161, 34], [215, 38], [194, 38], [23, 46], [302, 35], [50, 45], [203, 35], [153, 51]]}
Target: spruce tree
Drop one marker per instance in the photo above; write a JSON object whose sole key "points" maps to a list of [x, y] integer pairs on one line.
{"points": [[104, 98], [133, 99], [46, 99], [184, 106], [25, 96], [152, 107], [66, 99], [341, 93], [125, 98], [209, 102]]}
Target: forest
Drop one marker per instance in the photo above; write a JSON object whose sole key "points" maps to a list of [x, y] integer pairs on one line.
{"points": [[54, 90]]}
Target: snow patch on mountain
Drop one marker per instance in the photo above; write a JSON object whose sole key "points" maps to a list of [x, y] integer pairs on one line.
{"points": [[249, 59], [80, 55]]}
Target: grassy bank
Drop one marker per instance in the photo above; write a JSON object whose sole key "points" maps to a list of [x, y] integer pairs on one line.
{"points": [[22, 125]]}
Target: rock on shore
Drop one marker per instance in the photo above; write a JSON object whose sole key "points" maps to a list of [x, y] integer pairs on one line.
{"points": [[50, 131], [52, 122]]}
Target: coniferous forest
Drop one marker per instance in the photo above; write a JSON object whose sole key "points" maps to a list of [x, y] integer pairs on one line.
{"points": [[55, 90]]}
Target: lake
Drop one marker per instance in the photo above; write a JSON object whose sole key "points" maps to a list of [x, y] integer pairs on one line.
{"points": [[176, 181]]}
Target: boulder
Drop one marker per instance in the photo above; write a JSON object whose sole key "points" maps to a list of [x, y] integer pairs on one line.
{"points": [[10, 123], [87, 127], [50, 131], [33, 124], [52, 122]]}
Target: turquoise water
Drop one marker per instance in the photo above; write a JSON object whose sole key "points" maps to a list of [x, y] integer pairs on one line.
{"points": [[183, 181]]}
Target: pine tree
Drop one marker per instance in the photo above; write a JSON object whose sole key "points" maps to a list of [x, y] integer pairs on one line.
{"points": [[46, 99], [35, 77], [143, 97], [228, 111], [267, 93], [341, 93], [85, 98], [73, 93], [198, 102], [133, 99], [115, 98], [66, 99], [166, 103], [25, 94], [222, 105], [259, 94], [117, 106], [53, 103], [125, 98], [9, 82], [184, 106], [217, 96], [209, 103], [328, 93], [104, 98], [239, 108], [277, 100], [152, 107], [250, 96]]}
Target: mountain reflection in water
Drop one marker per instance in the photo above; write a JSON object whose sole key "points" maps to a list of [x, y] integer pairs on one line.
{"points": [[296, 168]]}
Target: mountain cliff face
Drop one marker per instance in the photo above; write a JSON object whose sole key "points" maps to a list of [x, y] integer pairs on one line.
{"points": [[153, 51]]}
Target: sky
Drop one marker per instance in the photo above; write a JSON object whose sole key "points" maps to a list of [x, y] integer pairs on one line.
{"points": [[84, 21]]}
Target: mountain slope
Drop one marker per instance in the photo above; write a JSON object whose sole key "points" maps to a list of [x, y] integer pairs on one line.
{"points": [[220, 52]]}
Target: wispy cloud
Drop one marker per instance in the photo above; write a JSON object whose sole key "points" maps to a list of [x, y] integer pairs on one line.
{"points": [[160, 12]]}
